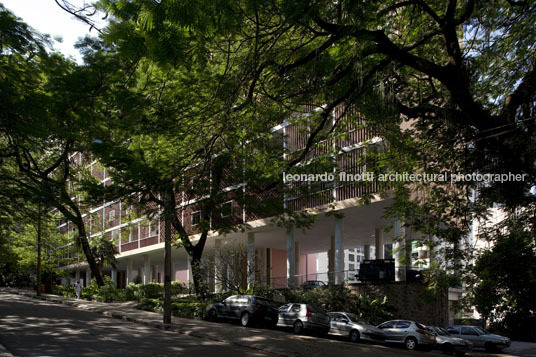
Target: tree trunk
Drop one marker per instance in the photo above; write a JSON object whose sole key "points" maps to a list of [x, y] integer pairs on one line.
{"points": [[195, 263], [39, 250], [82, 236], [168, 211]]}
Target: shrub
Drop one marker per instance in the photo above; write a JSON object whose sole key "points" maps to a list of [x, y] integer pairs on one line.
{"points": [[151, 291], [340, 298], [64, 290], [189, 309]]}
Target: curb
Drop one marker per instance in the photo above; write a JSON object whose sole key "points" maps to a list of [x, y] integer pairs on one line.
{"points": [[158, 325]]}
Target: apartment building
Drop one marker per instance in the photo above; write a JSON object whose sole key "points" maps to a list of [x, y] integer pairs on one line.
{"points": [[331, 249]]}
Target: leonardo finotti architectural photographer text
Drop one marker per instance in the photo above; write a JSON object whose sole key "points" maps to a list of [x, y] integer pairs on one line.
{"points": [[404, 177]]}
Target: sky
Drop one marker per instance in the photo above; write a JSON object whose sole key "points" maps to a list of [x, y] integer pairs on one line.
{"points": [[47, 17]]}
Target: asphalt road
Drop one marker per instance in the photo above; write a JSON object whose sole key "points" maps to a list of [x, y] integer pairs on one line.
{"points": [[31, 327]]}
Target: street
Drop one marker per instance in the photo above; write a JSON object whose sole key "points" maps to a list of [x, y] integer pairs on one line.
{"points": [[51, 327], [31, 327]]}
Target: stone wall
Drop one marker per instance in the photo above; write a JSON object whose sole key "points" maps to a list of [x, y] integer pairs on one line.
{"points": [[411, 300]]}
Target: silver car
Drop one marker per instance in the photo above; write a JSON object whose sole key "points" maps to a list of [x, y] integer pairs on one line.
{"points": [[351, 326], [303, 317], [450, 344], [409, 333], [480, 337]]}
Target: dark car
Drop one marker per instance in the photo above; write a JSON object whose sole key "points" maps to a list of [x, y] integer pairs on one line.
{"points": [[311, 284], [246, 308]]}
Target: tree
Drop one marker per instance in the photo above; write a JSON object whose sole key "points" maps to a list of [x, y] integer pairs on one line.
{"points": [[505, 276], [459, 74], [47, 111]]}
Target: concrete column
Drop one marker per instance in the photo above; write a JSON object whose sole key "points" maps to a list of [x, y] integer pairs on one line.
{"points": [[339, 251], [218, 269], [380, 251], [251, 259], [130, 278], [331, 261], [77, 275], [297, 271], [146, 269], [291, 258], [88, 276], [367, 251], [114, 276], [399, 249]]}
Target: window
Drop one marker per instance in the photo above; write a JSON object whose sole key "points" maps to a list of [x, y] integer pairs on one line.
{"points": [[196, 218], [351, 267], [403, 324], [388, 324], [115, 236], [388, 251], [351, 258], [226, 209], [133, 234], [469, 331], [154, 230]]}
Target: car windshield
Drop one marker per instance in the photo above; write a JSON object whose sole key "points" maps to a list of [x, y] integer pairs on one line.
{"points": [[482, 330], [441, 331], [355, 318]]}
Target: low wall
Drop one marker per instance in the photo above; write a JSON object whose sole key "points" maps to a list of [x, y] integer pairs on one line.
{"points": [[411, 300]]}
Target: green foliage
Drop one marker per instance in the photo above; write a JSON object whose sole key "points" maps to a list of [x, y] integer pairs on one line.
{"points": [[181, 308], [505, 277], [67, 290], [340, 298]]}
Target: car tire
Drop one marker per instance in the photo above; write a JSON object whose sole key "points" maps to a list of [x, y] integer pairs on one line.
{"points": [[245, 319], [212, 315], [298, 327], [490, 347], [354, 336], [447, 349], [410, 343]]}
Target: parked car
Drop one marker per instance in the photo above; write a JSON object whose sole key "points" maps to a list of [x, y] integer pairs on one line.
{"points": [[353, 327], [450, 344], [409, 333], [311, 284], [303, 317], [480, 337], [246, 308]]}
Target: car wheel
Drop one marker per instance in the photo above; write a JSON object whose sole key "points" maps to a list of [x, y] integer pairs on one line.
{"points": [[489, 347], [354, 336], [245, 319], [411, 343], [298, 327], [212, 315], [447, 349]]}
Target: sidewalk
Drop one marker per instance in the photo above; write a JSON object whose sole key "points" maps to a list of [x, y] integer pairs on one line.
{"points": [[278, 342]]}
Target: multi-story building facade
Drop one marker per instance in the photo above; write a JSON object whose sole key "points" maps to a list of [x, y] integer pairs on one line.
{"points": [[331, 249]]}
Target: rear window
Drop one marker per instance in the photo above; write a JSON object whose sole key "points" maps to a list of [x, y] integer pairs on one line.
{"points": [[421, 326], [264, 302]]}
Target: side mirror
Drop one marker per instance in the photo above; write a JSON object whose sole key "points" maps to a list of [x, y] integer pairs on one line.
{"points": [[344, 321]]}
